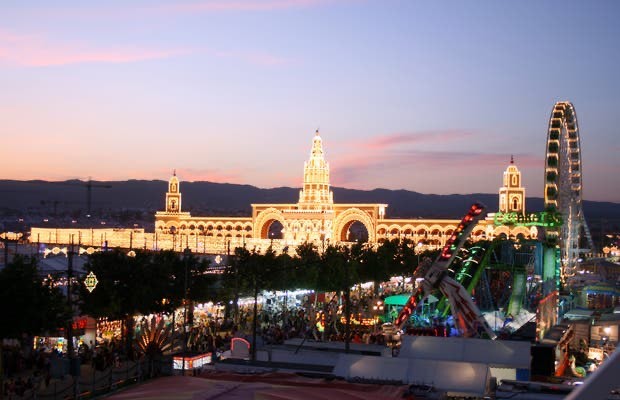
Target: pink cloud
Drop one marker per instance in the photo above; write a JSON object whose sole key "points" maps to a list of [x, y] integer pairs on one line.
{"points": [[354, 170], [396, 139], [434, 172], [37, 51]]}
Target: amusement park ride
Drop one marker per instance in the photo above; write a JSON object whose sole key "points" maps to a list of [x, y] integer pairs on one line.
{"points": [[465, 312], [458, 270], [560, 229], [563, 183]]}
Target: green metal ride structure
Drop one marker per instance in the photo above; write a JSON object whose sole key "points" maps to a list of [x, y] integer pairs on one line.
{"points": [[508, 274]]}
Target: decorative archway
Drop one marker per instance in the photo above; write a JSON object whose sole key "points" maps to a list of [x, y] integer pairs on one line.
{"points": [[521, 231], [344, 220], [501, 230], [264, 220]]}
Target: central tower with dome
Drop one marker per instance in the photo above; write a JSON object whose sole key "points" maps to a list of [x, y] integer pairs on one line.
{"points": [[316, 218], [315, 193]]}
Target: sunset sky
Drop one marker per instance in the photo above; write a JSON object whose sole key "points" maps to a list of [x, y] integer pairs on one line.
{"points": [[431, 96]]}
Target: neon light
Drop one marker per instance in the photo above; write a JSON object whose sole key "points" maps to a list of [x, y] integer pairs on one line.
{"points": [[192, 362], [91, 282], [234, 340], [548, 219]]}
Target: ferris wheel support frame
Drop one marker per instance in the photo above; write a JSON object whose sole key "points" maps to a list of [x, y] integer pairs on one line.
{"points": [[563, 183]]}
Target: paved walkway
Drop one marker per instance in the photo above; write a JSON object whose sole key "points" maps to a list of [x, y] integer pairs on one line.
{"points": [[250, 387], [89, 379]]}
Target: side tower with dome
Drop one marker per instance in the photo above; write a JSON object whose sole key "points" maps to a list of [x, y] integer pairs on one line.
{"points": [[512, 194]]}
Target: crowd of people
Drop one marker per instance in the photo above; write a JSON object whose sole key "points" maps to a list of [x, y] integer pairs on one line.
{"points": [[18, 386], [24, 370], [320, 319]]}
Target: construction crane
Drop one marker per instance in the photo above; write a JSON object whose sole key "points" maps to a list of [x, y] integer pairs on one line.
{"points": [[89, 184], [89, 192]]}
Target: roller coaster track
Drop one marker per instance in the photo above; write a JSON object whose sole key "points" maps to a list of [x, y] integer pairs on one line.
{"points": [[468, 269], [519, 277], [466, 314], [469, 266]]}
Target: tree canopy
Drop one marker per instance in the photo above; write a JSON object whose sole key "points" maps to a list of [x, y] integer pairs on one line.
{"points": [[29, 303], [144, 284]]}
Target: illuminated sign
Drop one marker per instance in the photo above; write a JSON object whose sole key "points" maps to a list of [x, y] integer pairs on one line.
{"points": [[91, 282], [361, 321], [79, 323], [191, 362], [11, 235], [596, 354], [548, 219]]}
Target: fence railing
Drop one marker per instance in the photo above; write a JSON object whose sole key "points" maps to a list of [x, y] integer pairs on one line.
{"points": [[98, 383]]}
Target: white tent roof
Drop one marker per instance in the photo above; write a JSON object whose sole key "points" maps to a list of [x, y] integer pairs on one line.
{"points": [[579, 314], [494, 353], [60, 263], [447, 376]]}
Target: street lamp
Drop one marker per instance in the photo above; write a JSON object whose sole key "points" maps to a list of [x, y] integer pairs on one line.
{"points": [[419, 248], [378, 309], [347, 308], [73, 361], [186, 255]]}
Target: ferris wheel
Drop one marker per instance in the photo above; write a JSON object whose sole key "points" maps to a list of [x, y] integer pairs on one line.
{"points": [[563, 183]]}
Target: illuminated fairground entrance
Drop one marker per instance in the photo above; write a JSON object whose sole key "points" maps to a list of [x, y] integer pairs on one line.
{"points": [[315, 218]]}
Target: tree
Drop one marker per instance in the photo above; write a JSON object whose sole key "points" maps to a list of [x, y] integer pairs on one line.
{"points": [[233, 282], [387, 256], [121, 292], [251, 272], [29, 304], [144, 284], [338, 272], [307, 266], [370, 268], [285, 275], [406, 258]]}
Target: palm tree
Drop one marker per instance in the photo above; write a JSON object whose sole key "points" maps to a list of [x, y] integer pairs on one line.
{"points": [[155, 338]]}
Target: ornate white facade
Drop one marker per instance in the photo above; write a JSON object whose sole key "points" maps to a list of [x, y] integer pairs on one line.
{"points": [[314, 218], [512, 194], [315, 194]]}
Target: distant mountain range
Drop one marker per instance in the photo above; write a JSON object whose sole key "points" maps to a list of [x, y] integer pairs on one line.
{"points": [[208, 198]]}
